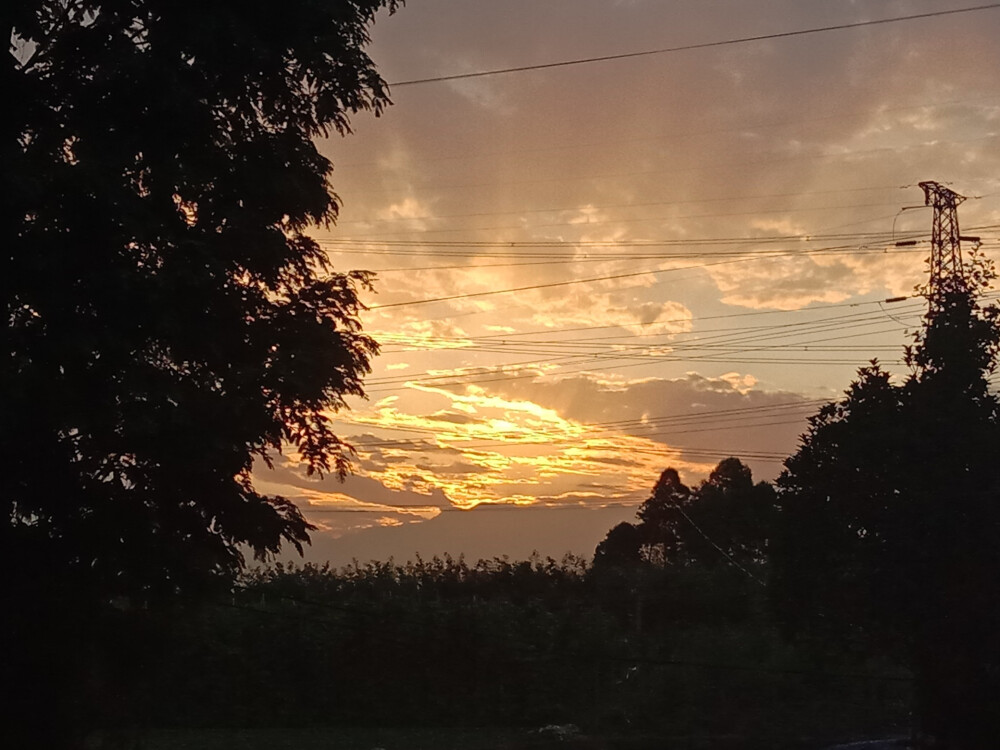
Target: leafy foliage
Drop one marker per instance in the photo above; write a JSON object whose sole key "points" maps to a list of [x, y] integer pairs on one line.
{"points": [[525, 643], [169, 322], [725, 519], [891, 515], [622, 547]]}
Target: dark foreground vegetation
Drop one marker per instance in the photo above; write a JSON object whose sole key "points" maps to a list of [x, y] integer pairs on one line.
{"points": [[688, 653]]}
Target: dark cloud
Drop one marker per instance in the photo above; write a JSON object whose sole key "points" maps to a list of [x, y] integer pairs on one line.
{"points": [[452, 417], [611, 490], [587, 399], [361, 488], [461, 468], [612, 461], [687, 404]]}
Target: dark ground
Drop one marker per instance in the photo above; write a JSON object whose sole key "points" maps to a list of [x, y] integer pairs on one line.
{"points": [[468, 739]]}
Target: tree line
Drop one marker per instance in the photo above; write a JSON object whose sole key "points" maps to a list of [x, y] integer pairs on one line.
{"points": [[882, 533], [619, 652]]}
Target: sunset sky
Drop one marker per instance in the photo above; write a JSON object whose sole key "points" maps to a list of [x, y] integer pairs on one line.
{"points": [[587, 273]]}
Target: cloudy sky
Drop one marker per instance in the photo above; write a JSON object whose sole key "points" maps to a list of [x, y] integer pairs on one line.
{"points": [[587, 273]]}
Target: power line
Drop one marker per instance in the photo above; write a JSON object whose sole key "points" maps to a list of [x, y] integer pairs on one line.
{"points": [[348, 244], [528, 372], [529, 287], [753, 313], [595, 428], [550, 285], [680, 350], [724, 316], [624, 444], [720, 419], [553, 438], [519, 250], [729, 558], [677, 339], [740, 257], [696, 46], [531, 370]]}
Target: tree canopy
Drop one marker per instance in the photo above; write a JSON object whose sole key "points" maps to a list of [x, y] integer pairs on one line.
{"points": [[891, 515], [168, 319], [725, 519]]}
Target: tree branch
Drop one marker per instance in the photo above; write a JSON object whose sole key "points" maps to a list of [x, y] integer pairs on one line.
{"points": [[43, 46]]}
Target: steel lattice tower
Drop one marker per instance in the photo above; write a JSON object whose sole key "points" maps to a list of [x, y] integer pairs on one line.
{"points": [[946, 245]]}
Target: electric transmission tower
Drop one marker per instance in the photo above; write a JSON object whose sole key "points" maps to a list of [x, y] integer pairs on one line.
{"points": [[946, 241]]}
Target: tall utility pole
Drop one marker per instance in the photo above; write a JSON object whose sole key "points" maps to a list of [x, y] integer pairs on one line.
{"points": [[946, 242]]}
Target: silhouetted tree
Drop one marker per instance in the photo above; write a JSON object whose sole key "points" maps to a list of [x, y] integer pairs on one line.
{"points": [[622, 547], [841, 493], [661, 518], [735, 516], [891, 516], [725, 519], [167, 320]]}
